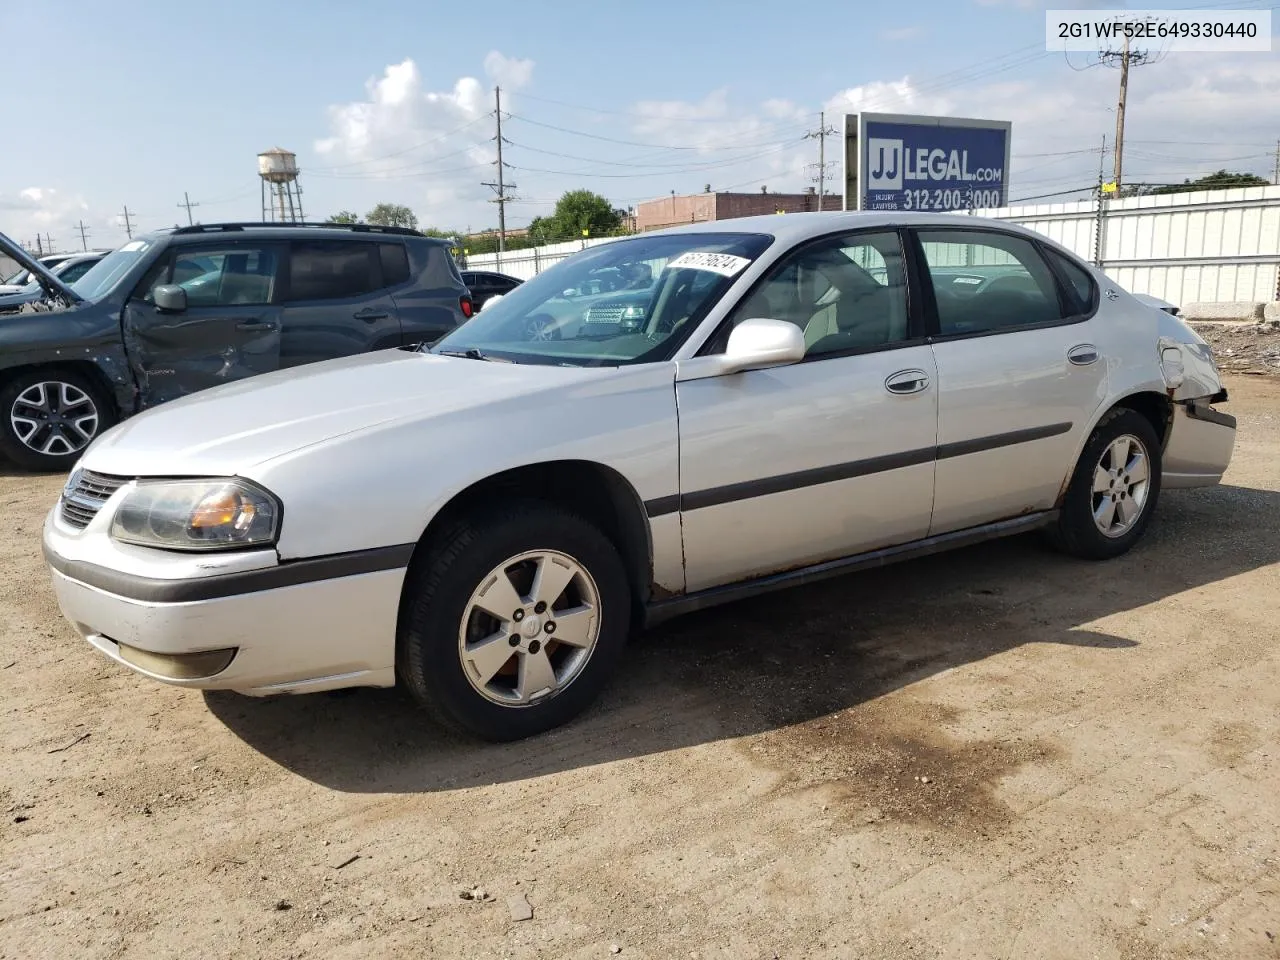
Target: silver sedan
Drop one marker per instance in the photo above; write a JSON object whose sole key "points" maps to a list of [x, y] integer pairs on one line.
{"points": [[486, 520]]}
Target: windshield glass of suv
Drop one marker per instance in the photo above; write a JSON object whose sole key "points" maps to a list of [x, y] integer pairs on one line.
{"points": [[106, 273], [626, 301]]}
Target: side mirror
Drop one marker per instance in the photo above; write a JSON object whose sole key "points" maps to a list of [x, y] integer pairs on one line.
{"points": [[760, 342], [170, 298]]}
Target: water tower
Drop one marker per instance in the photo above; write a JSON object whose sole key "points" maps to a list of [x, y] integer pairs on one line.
{"points": [[281, 194]]}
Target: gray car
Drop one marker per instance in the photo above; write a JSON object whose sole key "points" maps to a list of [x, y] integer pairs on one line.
{"points": [[176, 311], [485, 521], [68, 270]]}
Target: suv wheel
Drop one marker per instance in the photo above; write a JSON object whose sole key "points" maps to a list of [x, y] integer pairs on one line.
{"points": [[49, 416], [1114, 489], [514, 622]]}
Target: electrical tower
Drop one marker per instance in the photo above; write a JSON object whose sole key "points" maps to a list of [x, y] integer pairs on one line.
{"points": [[501, 186], [186, 202], [128, 227], [821, 135], [1125, 58]]}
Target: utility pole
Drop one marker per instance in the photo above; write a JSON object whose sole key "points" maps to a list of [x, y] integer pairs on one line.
{"points": [[128, 227], [1275, 177], [1126, 59], [1100, 214], [48, 242], [821, 135], [186, 202], [84, 236], [501, 187]]}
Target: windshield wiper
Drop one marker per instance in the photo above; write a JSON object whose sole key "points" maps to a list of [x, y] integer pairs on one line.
{"points": [[471, 353]]}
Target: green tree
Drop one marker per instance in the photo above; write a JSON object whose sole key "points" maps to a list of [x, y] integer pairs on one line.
{"points": [[344, 216], [580, 210], [1215, 181], [392, 215]]}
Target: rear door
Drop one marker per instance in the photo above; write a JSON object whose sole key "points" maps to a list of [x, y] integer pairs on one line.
{"points": [[1020, 374], [230, 329], [336, 302]]}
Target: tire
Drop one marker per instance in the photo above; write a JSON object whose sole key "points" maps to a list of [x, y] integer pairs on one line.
{"points": [[49, 415], [443, 623], [1077, 531]]}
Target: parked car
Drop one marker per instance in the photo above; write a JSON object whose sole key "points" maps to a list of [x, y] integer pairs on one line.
{"points": [[485, 520], [21, 277], [484, 284], [68, 270], [176, 311]]}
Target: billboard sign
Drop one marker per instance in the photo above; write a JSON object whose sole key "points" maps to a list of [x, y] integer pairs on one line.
{"points": [[901, 162]]}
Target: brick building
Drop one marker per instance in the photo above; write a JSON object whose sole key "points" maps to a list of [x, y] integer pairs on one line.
{"points": [[675, 210]]}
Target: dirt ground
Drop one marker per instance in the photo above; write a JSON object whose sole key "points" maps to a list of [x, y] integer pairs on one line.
{"points": [[993, 753]]}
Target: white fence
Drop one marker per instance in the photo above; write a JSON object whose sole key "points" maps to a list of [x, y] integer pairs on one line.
{"points": [[1209, 246]]}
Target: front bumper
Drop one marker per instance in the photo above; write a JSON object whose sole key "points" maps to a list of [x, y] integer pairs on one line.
{"points": [[285, 631]]}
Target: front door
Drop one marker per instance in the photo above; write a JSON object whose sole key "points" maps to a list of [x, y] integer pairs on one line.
{"points": [[336, 303], [229, 330], [1020, 373], [789, 466]]}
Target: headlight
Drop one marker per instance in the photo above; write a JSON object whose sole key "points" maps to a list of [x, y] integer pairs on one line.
{"points": [[197, 515]]}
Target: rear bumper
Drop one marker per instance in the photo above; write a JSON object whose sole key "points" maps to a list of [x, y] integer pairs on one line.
{"points": [[1201, 441]]}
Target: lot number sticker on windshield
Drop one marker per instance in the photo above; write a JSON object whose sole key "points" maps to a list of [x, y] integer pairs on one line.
{"points": [[725, 264]]}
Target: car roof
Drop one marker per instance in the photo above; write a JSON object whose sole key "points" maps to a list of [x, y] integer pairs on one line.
{"points": [[276, 231], [792, 228]]}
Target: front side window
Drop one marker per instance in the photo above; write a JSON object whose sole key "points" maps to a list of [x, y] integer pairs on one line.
{"points": [[212, 278], [985, 282], [622, 302], [329, 270], [846, 293]]}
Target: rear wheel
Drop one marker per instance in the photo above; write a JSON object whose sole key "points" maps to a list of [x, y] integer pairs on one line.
{"points": [[1114, 488], [49, 416], [514, 621]]}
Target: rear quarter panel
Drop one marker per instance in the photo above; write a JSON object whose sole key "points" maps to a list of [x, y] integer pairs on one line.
{"points": [[429, 304]]}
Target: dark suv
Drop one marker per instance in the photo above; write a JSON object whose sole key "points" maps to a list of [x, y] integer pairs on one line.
{"points": [[176, 311]]}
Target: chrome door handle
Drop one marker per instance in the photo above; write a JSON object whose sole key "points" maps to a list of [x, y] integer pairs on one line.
{"points": [[1083, 354], [907, 381]]}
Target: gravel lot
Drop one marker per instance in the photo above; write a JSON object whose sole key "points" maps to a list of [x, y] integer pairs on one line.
{"points": [[994, 753]]}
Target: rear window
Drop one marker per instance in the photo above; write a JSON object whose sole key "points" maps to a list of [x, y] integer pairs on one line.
{"points": [[1081, 284], [329, 270], [395, 263]]}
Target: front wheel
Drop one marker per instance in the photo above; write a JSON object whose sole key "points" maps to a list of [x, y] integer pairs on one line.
{"points": [[514, 621], [49, 416], [1114, 489]]}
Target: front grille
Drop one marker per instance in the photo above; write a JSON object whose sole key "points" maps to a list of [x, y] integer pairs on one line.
{"points": [[604, 314], [85, 498]]}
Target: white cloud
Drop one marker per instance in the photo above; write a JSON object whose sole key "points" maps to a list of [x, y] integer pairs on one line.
{"points": [[889, 96], [47, 211], [406, 144], [508, 71]]}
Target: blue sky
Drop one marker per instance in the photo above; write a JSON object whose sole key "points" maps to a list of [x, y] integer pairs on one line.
{"points": [[133, 103]]}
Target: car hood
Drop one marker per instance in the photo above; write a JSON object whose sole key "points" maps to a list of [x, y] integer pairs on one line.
{"points": [[39, 271], [228, 429]]}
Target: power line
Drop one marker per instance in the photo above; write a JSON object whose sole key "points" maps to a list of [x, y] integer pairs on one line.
{"points": [[501, 187], [188, 204], [821, 135]]}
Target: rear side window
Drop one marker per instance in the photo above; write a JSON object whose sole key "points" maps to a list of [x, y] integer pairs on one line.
{"points": [[1079, 280], [986, 282], [329, 270], [395, 263]]}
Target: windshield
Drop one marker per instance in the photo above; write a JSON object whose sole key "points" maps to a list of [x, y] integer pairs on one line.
{"points": [[628, 301], [17, 279], [106, 273]]}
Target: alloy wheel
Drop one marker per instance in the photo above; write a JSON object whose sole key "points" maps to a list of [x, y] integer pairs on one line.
{"points": [[529, 629], [54, 418], [1121, 482]]}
